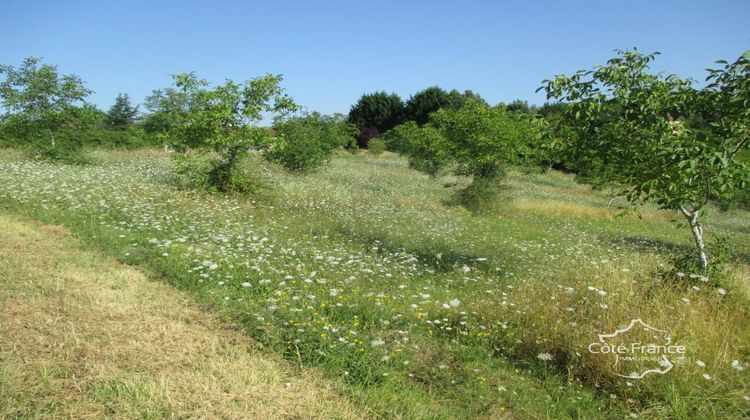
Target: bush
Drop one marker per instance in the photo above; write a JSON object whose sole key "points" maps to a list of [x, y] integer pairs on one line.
{"points": [[205, 172], [67, 148], [685, 267], [376, 146], [479, 196], [425, 146], [305, 143]]}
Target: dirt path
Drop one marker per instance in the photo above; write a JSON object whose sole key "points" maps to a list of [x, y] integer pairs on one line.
{"points": [[83, 336]]}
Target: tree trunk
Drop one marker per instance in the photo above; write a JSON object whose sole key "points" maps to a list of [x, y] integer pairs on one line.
{"points": [[697, 229]]}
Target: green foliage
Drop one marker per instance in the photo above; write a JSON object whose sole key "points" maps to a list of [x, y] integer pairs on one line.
{"points": [[38, 93], [425, 146], [685, 267], [482, 141], [627, 126], [519, 105], [43, 110], [220, 121], [475, 140], [376, 113], [68, 148], [423, 103], [122, 114], [163, 108], [306, 142], [457, 99], [207, 171], [376, 146]]}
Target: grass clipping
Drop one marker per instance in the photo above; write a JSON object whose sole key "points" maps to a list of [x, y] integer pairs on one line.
{"points": [[83, 336]]}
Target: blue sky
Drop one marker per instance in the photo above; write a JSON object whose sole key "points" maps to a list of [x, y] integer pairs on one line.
{"points": [[330, 52]]}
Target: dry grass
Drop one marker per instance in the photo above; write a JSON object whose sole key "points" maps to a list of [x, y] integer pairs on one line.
{"points": [[711, 327], [82, 336], [561, 208]]}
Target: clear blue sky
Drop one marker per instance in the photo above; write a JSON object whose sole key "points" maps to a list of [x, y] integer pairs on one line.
{"points": [[330, 52]]}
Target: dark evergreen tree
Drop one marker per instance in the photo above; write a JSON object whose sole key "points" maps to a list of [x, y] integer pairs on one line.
{"points": [[422, 104], [122, 114], [376, 113]]}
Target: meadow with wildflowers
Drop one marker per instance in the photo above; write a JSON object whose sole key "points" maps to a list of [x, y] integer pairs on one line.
{"points": [[414, 306]]}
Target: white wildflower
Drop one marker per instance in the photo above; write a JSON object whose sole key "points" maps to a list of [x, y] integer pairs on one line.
{"points": [[544, 356]]}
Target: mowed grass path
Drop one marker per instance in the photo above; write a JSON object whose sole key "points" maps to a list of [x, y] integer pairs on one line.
{"points": [[83, 336]]}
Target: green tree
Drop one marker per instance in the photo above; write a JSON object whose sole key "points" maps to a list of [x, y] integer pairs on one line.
{"points": [[519, 105], [304, 143], [422, 104], [476, 140], [457, 99], [163, 106], [376, 113], [39, 103], [631, 128], [425, 146], [122, 114], [222, 120]]}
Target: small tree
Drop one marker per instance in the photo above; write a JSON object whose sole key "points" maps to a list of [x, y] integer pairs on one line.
{"points": [[39, 103], [376, 113], [221, 120], [425, 146], [457, 99], [519, 105], [122, 114], [632, 128], [475, 140], [304, 143], [163, 106]]}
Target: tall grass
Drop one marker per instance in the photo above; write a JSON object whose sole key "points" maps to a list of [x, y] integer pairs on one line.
{"points": [[418, 307]]}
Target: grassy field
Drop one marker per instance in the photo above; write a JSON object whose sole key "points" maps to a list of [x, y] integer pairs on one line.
{"points": [[416, 307], [82, 336]]}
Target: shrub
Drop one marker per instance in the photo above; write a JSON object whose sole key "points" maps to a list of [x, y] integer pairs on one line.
{"points": [[208, 172], [425, 146], [305, 143], [367, 134], [376, 146], [67, 148]]}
